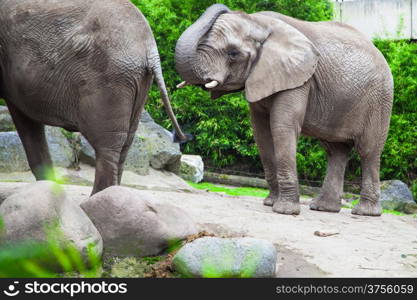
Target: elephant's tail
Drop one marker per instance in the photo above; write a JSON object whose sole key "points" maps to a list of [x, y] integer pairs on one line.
{"points": [[156, 69]]}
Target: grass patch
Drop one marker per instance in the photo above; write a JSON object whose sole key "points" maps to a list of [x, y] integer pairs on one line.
{"points": [[384, 211], [235, 191], [393, 212], [262, 193]]}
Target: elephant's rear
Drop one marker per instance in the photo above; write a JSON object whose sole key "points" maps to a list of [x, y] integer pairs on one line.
{"points": [[364, 81], [351, 74]]}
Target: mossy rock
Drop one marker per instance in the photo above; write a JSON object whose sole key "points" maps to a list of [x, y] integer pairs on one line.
{"points": [[6, 122], [395, 195]]}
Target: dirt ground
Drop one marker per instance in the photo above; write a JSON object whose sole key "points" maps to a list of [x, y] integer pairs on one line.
{"points": [[383, 246]]}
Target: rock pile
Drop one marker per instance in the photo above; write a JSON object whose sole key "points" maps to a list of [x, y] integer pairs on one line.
{"points": [[152, 147], [118, 221]]}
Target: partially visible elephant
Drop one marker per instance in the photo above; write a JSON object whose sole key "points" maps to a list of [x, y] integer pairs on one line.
{"points": [[320, 79], [83, 65]]}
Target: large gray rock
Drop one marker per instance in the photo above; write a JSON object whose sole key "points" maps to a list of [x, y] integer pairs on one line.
{"points": [[6, 122], [13, 157], [192, 168], [6, 192], [230, 258], [38, 209], [152, 146], [12, 154], [61, 150], [395, 195], [135, 223]]}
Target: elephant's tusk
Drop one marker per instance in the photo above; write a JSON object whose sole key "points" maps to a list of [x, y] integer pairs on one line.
{"points": [[182, 84], [212, 84]]}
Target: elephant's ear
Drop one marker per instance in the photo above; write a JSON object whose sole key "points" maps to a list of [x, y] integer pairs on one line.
{"points": [[286, 60]]}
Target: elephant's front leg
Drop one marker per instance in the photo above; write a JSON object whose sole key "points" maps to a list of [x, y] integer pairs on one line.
{"points": [[262, 133], [287, 115], [34, 142]]}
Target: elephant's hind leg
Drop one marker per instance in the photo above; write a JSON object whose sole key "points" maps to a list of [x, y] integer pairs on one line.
{"points": [[330, 197], [34, 142], [369, 204], [105, 121], [143, 86], [108, 147], [370, 147], [107, 168]]}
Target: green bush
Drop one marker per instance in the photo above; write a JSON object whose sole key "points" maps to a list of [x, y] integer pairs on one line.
{"points": [[2, 102], [399, 159]]}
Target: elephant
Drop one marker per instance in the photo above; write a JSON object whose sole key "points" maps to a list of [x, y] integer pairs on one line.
{"points": [[320, 79], [82, 65]]}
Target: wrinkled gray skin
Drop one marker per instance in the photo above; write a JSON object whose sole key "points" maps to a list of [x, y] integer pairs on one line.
{"points": [[320, 79], [83, 65]]}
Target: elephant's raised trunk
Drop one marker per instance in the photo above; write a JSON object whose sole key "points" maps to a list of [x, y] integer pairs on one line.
{"points": [[186, 59]]}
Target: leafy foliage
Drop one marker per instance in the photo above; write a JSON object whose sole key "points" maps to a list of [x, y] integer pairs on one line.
{"points": [[399, 159], [49, 259]]}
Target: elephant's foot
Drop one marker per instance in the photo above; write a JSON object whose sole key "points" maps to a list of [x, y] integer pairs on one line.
{"points": [[325, 204], [270, 200], [367, 208], [286, 207]]}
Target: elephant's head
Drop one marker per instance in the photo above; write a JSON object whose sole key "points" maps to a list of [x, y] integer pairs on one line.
{"points": [[226, 51]]}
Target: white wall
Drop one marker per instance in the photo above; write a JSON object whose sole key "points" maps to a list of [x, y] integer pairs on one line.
{"points": [[414, 19], [380, 18]]}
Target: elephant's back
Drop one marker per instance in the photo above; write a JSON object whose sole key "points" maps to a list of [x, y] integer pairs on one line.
{"points": [[352, 81], [58, 51], [51, 24]]}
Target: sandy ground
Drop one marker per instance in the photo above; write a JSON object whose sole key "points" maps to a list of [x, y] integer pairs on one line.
{"points": [[383, 246]]}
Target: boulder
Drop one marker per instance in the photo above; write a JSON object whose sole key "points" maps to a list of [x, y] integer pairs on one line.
{"points": [[135, 223], [230, 258], [191, 168], [6, 122], [86, 152], [395, 195], [41, 208], [60, 148], [152, 146], [6, 191], [13, 156]]}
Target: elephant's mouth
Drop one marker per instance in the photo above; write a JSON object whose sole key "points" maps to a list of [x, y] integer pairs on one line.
{"points": [[217, 94]]}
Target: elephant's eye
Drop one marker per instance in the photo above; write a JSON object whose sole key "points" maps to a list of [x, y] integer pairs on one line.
{"points": [[233, 54]]}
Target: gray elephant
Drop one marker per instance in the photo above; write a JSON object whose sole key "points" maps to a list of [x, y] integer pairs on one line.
{"points": [[82, 65], [320, 79]]}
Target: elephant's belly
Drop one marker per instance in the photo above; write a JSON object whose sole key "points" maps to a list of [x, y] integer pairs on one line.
{"points": [[337, 134], [49, 108], [334, 119], [45, 97]]}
